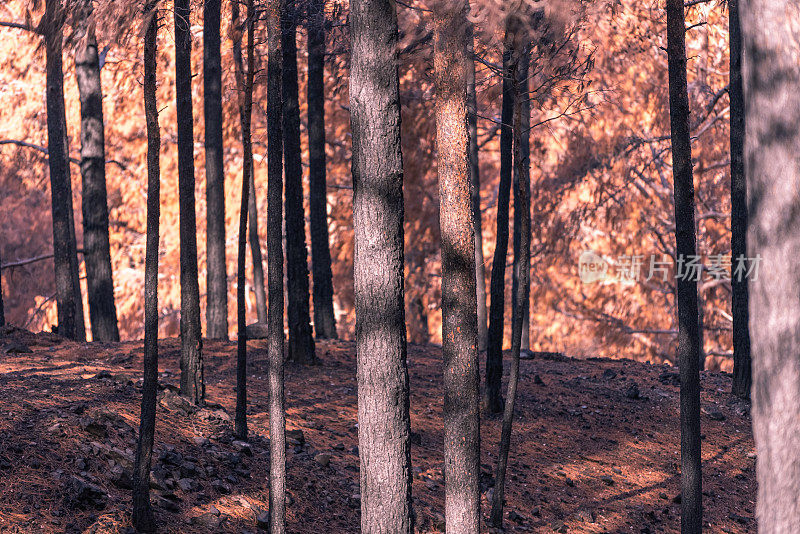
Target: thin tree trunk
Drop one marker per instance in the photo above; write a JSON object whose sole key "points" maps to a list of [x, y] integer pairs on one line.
{"points": [[688, 324], [452, 63], [324, 319], [65, 258], [192, 385], [244, 82], [741, 332], [277, 417], [522, 265], [142, 512], [255, 252], [377, 166], [301, 340], [216, 275], [493, 400], [96, 247], [475, 176], [252, 206], [771, 79], [2, 310]]}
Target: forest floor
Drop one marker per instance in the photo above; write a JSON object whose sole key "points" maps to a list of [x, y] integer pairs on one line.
{"points": [[595, 446]]}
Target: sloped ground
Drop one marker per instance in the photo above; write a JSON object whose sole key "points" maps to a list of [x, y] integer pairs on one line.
{"points": [[595, 446]]}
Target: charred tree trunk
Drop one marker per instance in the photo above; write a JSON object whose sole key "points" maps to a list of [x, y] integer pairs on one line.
{"points": [[244, 82], [277, 417], [383, 402], [493, 400], [688, 324], [65, 258], [741, 331], [2, 310], [522, 266], [772, 100], [301, 340], [324, 319], [192, 385], [142, 512], [96, 246], [475, 177], [216, 275], [452, 64]]}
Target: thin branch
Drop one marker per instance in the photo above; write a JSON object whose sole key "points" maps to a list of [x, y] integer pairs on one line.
{"points": [[44, 151], [28, 261]]}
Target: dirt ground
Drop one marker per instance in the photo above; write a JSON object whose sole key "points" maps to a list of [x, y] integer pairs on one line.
{"points": [[595, 445]]}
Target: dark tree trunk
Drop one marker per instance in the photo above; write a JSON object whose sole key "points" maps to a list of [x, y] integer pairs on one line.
{"points": [[475, 176], [252, 206], [96, 247], [493, 400], [244, 82], [383, 402], [688, 324], [522, 145], [301, 340], [522, 264], [452, 64], [142, 513], [324, 319], [277, 416], [65, 258], [192, 385], [216, 275], [2, 310], [741, 317]]}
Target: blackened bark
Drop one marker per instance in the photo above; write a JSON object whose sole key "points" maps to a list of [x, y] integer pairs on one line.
{"points": [[493, 400], [301, 340], [252, 206], [771, 77], [245, 84], [741, 332], [65, 258], [475, 177], [96, 246], [192, 385], [2, 310], [216, 275], [522, 264], [377, 166], [142, 512], [452, 63], [277, 416], [688, 324], [324, 319]]}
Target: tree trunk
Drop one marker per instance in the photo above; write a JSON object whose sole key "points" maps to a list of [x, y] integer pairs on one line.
{"points": [[301, 340], [96, 247], [771, 79], [192, 385], [493, 400], [324, 319], [522, 265], [244, 83], [688, 324], [475, 176], [252, 206], [277, 417], [142, 513], [522, 145], [377, 166], [741, 332], [452, 63], [216, 275], [2, 310], [65, 257]]}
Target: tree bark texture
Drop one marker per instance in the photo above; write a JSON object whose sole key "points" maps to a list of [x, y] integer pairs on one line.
{"points": [[377, 166], [522, 145], [452, 63], [688, 322]]}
